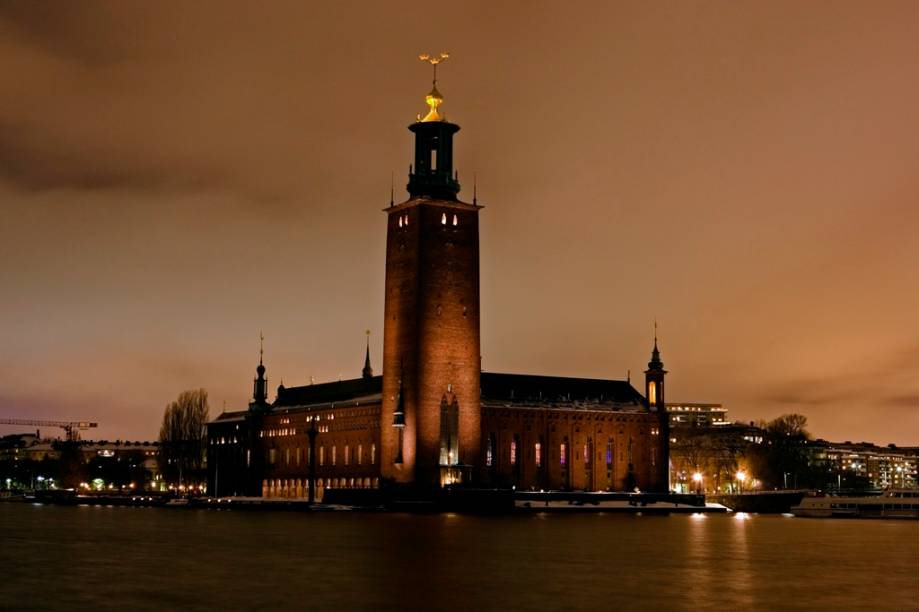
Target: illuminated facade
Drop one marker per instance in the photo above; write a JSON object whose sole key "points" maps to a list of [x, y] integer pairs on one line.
{"points": [[434, 418], [683, 414]]}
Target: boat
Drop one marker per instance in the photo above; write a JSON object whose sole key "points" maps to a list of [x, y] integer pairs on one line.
{"points": [[893, 503]]}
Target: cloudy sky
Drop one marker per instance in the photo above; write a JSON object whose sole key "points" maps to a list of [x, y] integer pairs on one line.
{"points": [[175, 177]]}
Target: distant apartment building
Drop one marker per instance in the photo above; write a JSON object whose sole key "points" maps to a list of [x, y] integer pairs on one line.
{"points": [[880, 467], [697, 415]]}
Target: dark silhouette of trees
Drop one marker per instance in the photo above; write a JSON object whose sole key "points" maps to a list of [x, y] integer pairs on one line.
{"points": [[183, 438], [783, 460]]}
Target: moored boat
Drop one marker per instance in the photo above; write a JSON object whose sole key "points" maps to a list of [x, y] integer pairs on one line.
{"points": [[894, 503]]}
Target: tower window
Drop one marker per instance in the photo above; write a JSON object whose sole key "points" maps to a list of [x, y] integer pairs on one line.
{"points": [[563, 454], [433, 159], [513, 452], [652, 393], [538, 452], [443, 219], [400, 221], [454, 220]]}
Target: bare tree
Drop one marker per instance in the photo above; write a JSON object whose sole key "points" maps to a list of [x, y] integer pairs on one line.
{"points": [[183, 437]]}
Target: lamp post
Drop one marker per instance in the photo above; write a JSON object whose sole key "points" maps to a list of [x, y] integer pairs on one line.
{"points": [[312, 432], [697, 478], [741, 477]]}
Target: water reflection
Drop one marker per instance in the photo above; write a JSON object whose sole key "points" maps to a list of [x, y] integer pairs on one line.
{"points": [[128, 558]]}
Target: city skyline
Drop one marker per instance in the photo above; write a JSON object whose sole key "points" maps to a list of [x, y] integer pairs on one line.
{"points": [[182, 180]]}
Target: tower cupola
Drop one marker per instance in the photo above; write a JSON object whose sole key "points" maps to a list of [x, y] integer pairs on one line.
{"points": [[260, 384], [432, 174]]}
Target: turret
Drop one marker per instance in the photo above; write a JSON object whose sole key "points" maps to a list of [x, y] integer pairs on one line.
{"points": [[654, 391]]}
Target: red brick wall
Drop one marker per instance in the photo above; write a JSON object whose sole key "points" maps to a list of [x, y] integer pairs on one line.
{"points": [[578, 428], [432, 327]]}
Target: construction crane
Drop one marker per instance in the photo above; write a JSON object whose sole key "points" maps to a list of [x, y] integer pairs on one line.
{"points": [[71, 429]]}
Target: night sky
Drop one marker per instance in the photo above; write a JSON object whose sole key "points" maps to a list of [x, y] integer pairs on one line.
{"points": [[176, 177]]}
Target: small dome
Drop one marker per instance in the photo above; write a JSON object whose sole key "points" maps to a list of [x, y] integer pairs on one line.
{"points": [[260, 369]]}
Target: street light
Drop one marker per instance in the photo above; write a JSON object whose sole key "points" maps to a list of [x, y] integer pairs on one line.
{"points": [[741, 477], [697, 478]]}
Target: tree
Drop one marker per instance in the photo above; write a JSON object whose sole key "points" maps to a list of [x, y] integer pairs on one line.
{"points": [[183, 437], [783, 461], [789, 426]]}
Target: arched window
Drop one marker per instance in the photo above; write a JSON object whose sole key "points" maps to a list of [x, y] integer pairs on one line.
{"points": [[652, 393], [443, 219], [454, 220], [537, 451]]}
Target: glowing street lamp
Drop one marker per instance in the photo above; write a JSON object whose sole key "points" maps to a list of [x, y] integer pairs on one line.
{"points": [[741, 477], [697, 478]]}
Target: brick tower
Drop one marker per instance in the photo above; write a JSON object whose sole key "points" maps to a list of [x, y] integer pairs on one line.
{"points": [[431, 433]]}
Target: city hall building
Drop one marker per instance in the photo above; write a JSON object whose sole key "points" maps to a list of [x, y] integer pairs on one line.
{"points": [[434, 418]]}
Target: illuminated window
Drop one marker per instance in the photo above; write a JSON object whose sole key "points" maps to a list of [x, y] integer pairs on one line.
{"points": [[587, 454], [334, 454], [360, 454], [537, 449], [406, 220], [321, 455], [609, 453], [652, 393], [489, 451], [454, 220], [563, 454], [347, 454], [373, 453], [443, 219], [433, 159], [513, 452], [400, 221]]}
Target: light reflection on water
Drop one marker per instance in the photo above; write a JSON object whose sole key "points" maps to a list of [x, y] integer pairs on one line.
{"points": [[119, 558]]}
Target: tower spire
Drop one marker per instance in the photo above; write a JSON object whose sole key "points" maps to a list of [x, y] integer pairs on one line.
{"points": [[367, 372], [434, 99], [260, 384], [655, 362]]}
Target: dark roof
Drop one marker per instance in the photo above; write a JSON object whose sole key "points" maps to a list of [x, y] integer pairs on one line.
{"points": [[495, 387], [323, 393], [526, 387]]}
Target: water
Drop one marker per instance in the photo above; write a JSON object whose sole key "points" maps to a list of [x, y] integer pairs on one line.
{"points": [[148, 558]]}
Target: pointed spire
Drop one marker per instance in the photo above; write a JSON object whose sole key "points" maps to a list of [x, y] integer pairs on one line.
{"points": [[367, 372], [260, 384], [655, 363]]}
